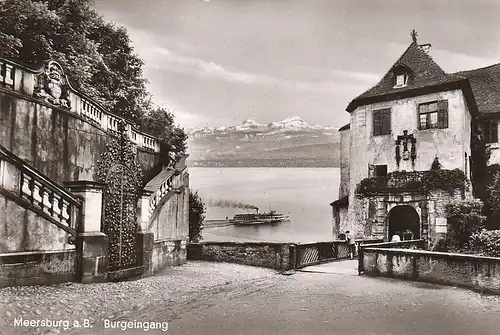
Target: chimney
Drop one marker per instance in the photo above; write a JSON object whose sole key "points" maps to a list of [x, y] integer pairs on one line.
{"points": [[256, 210], [426, 48]]}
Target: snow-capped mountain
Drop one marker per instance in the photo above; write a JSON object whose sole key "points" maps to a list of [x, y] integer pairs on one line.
{"points": [[289, 142], [254, 128]]}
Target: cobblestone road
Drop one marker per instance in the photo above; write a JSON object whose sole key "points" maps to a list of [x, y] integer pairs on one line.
{"points": [[209, 298], [173, 290]]}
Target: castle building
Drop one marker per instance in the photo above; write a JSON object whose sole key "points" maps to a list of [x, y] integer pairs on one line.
{"points": [[406, 151]]}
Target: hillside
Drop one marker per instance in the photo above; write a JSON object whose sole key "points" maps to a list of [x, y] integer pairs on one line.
{"points": [[287, 143]]}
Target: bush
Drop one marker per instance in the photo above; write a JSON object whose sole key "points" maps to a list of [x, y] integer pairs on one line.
{"points": [[464, 218], [492, 204], [437, 179], [485, 243], [196, 216]]}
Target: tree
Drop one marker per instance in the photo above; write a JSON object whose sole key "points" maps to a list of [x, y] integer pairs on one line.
{"points": [[196, 216], [464, 218], [97, 56], [159, 122]]}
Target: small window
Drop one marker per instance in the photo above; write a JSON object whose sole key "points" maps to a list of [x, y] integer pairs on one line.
{"points": [[382, 122], [380, 170], [433, 115], [401, 80], [491, 131]]}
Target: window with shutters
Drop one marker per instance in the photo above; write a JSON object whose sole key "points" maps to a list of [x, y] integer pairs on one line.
{"points": [[433, 115], [382, 122], [490, 131]]}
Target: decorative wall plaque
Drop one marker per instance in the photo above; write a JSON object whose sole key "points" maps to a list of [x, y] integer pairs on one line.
{"points": [[52, 86], [406, 148]]}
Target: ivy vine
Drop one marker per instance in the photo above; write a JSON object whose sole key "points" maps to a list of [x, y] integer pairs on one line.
{"points": [[425, 181]]}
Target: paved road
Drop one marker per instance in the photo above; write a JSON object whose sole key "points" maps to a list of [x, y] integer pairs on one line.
{"points": [[332, 299], [217, 298]]}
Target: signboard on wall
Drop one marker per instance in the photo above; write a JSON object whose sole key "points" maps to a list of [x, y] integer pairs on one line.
{"points": [[441, 225]]}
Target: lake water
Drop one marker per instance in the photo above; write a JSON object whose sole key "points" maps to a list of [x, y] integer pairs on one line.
{"points": [[303, 193]]}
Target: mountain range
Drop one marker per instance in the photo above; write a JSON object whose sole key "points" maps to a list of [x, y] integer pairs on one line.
{"points": [[287, 143]]}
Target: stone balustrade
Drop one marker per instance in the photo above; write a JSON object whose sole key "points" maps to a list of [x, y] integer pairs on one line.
{"points": [[40, 85], [163, 189], [23, 180]]}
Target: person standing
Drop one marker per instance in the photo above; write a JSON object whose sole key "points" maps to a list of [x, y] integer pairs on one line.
{"points": [[351, 244], [396, 237]]}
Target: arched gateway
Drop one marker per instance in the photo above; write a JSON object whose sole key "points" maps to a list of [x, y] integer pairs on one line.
{"points": [[402, 219]]}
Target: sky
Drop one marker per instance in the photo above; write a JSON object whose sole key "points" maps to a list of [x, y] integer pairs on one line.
{"points": [[219, 62]]}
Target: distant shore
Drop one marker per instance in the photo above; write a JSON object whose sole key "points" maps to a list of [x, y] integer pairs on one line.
{"points": [[284, 163]]}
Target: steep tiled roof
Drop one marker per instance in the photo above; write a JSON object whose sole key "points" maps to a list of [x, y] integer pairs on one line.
{"points": [[485, 83], [424, 72]]}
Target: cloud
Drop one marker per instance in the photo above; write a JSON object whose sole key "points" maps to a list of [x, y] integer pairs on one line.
{"points": [[453, 61], [174, 62]]}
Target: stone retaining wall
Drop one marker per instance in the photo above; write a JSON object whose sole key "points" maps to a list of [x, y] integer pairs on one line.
{"points": [[37, 268], [278, 256], [475, 272]]}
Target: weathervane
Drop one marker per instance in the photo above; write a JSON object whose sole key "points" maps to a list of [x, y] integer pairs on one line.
{"points": [[414, 35]]}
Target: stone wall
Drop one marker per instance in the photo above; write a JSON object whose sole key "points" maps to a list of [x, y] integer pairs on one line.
{"points": [[478, 273], [168, 223], [436, 207], [344, 162], [61, 144], [450, 145], [26, 229], [372, 212], [37, 267], [168, 253], [276, 256]]}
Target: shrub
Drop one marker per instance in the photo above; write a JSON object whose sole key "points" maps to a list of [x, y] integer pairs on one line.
{"points": [[485, 243], [196, 216], [464, 218], [437, 179], [492, 204]]}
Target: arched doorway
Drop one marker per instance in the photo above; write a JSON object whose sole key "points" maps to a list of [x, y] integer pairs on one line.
{"points": [[403, 219]]}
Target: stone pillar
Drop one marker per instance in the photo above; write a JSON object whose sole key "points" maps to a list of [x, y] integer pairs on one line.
{"points": [[145, 237], [91, 243]]}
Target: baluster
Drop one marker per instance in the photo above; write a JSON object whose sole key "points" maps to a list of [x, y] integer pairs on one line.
{"points": [[36, 193], [83, 106], [50, 205], [26, 187], [45, 204], [56, 205], [64, 212], [31, 192], [1, 76], [8, 75]]}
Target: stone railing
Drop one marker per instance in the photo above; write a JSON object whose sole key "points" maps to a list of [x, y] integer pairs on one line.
{"points": [[470, 271], [162, 191], [410, 244], [278, 256], [165, 185], [25, 182], [50, 85]]}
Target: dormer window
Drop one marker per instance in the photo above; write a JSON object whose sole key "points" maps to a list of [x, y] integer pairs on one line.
{"points": [[401, 75], [401, 80]]}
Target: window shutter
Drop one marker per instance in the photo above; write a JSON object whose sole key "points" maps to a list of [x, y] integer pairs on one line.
{"points": [[386, 121], [377, 123], [442, 113], [494, 131]]}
